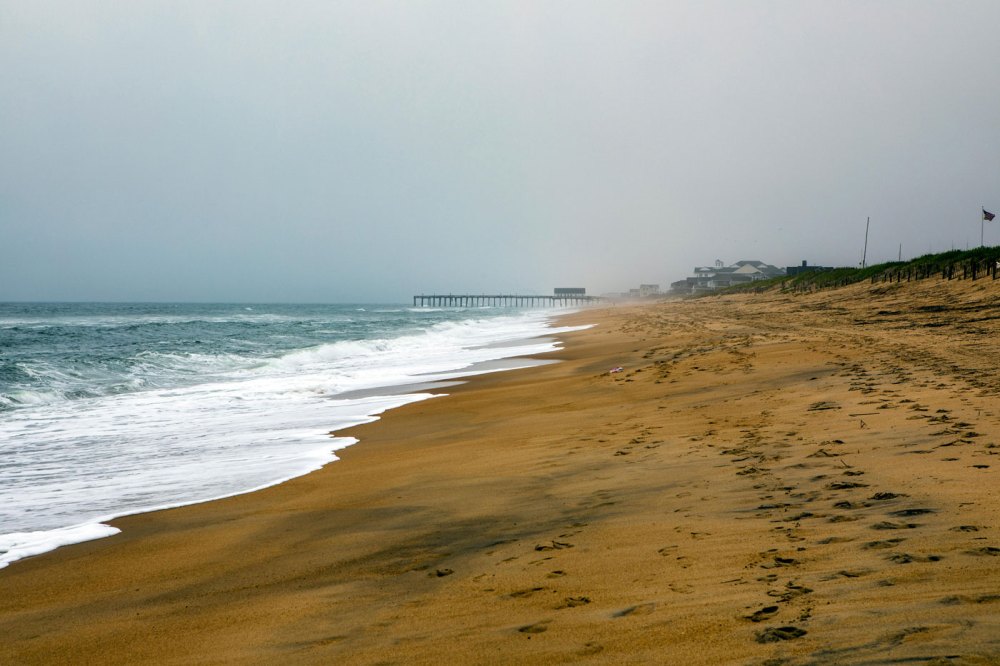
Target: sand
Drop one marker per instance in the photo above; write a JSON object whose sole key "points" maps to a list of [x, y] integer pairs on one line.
{"points": [[800, 479]]}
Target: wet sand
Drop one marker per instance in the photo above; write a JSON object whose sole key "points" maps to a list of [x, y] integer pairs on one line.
{"points": [[774, 479]]}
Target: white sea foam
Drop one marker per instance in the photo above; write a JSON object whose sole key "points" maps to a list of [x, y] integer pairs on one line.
{"points": [[18, 545], [70, 465]]}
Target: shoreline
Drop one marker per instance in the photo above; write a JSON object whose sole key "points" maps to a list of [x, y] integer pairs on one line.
{"points": [[371, 403], [764, 466]]}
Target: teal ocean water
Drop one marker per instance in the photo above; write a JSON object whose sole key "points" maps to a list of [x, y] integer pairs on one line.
{"points": [[113, 409]]}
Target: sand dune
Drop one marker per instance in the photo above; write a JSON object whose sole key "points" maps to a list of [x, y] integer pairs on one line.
{"points": [[772, 479]]}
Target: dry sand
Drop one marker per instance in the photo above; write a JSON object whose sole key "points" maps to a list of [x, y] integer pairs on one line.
{"points": [[804, 479]]}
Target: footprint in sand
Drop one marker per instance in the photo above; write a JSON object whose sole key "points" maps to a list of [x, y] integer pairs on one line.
{"points": [[780, 562], [845, 485], [851, 505], [640, 609], [835, 539], [886, 525], [791, 591], [988, 551], [906, 513], [848, 573], [954, 600], [887, 543], [906, 558], [765, 613], [776, 634], [573, 602], [886, 496]]}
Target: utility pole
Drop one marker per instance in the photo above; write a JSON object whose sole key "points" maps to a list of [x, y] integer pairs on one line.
{"points": [[864, 257]]}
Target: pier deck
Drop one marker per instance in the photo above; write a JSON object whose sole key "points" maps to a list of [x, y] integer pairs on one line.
{"points": [[501, 300]]}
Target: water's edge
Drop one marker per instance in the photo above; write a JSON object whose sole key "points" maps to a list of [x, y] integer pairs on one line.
{"points": [[20, 545]]}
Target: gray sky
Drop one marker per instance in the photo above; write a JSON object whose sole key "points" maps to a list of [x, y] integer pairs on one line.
{"points": [[358, 151]]}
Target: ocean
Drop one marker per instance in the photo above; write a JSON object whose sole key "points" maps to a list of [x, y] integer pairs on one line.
{"points": [[114, 409]]}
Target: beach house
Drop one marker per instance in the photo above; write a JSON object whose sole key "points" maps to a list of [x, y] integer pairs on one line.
{"points": [[712, 278]]}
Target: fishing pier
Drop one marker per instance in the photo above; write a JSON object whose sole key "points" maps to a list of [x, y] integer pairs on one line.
{"points": [[563, 297]]}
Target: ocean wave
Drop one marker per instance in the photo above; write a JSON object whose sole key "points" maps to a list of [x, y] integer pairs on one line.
{"points": [[135, 364], [142, 421]]}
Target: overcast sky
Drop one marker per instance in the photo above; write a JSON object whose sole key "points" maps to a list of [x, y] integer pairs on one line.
{"points": [[366, 151]]}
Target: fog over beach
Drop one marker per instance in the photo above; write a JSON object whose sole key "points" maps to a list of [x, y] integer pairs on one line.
{"points": [[233, 432], [363, 152]]}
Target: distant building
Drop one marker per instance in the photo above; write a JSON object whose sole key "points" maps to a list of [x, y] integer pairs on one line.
{"points": [[647, 290], [570, 291], [643, 291], [805, 268], [711, 278]]}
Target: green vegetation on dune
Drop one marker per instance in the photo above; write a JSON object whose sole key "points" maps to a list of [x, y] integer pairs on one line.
{"points": [[925, 266]]}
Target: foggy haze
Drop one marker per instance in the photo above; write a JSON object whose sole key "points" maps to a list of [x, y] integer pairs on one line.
{"points": [[367, 151]]}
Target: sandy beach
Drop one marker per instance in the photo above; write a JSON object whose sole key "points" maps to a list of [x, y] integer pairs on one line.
{"points": [[771, 479]]}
